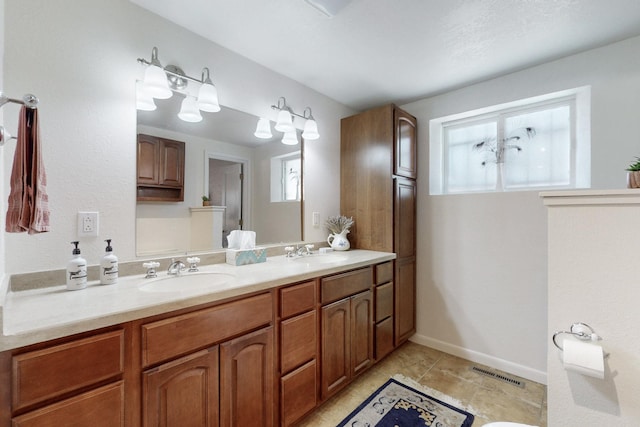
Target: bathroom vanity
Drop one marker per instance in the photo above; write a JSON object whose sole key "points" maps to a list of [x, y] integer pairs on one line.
{"points": [[264, 345]]}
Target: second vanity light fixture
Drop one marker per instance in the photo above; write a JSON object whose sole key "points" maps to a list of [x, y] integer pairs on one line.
{"points": [[160, 82], [284, 124]]}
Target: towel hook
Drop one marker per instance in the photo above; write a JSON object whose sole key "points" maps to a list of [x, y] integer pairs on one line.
{"points": [[5, 135], [28, 100]]}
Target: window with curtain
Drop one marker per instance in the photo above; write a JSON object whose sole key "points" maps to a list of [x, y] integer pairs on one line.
{"points": [[286, 174]]}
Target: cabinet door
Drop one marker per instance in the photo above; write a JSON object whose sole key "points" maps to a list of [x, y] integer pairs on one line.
{"points": [[405, 144], [148, 159], [405, 303], [171, 163], [336, 346], [183, 392], [404, 217], [361, 332], [247, 380], [366, 167]]}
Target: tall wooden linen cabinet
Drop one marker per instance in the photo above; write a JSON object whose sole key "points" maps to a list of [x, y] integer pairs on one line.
{"points": [[378, 166]]}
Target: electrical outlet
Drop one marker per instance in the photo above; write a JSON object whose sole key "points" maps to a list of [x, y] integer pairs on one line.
{"points": [[88, 224], [316, 219]]}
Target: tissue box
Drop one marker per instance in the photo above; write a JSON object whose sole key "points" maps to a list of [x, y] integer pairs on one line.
{"points": [[246, 256]]}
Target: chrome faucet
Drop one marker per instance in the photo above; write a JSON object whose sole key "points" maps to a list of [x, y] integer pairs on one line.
{"points": [[176, 267], [298, 251]]}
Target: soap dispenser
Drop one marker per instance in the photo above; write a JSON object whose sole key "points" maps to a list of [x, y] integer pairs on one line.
{"points": [[76, 270], [108, 266]]}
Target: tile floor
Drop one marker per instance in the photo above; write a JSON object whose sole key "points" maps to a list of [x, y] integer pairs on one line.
{"points": [[487, 398]]}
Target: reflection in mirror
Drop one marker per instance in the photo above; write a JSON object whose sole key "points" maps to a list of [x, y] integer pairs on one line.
{"points": [[251, 183]]}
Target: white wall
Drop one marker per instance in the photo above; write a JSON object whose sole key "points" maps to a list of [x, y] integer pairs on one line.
{"points": [[3, 196], [287, 227], [482, 259], [79, 58], [593, 278]]}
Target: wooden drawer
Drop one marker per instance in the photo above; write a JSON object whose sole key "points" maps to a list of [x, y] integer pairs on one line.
{"points": [[346, 284], [384, 301], [102, 407], [175, 336], [384, 273], [298, 341], [297, 299], [384, 338], [46, 374], [299, 394]]}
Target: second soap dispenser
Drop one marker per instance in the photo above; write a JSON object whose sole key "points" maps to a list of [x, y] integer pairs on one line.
{"points": [[108, 266], [76, 270]]}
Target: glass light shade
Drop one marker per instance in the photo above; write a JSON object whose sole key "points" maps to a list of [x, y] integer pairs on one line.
{"points": [[310, 131], [143, 100], [263, 129], [189, 111], [155, 82], [284, 123], [290, 138], [208, 98]]}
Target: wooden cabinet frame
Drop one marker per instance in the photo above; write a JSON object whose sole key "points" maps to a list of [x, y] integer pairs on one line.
{"points": [[264, 371]]}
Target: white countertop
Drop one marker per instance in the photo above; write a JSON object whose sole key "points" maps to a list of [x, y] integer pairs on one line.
{"points": [[38, 315]]}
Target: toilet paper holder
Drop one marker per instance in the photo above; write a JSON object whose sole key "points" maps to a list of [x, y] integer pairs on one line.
{"points": [[580, 330]]}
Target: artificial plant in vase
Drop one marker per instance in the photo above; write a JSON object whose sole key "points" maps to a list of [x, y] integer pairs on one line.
{"points": [[206, 201], [496, 149], [633, 174], [338, 227]]}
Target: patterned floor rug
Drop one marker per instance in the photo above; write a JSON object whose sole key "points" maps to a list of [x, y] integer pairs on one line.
{"points": [[398, 405]]}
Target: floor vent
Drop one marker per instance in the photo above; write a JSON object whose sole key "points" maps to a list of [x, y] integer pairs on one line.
{"points": [[497, 376]]}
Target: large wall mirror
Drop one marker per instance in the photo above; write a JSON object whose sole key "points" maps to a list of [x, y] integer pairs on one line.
{"points": [[253, 184]]}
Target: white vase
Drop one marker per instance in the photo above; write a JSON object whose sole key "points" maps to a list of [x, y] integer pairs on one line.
{"points": [[339, 241]]}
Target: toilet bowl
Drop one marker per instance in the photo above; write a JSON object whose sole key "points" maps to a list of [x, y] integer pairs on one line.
{"points": [[507, 424]]}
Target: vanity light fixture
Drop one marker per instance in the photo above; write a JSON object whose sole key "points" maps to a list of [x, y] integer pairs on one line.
{"points": [[189, 111], [285, 121], [310, 130], [155, 80], [160, 82], [143, 100], [263, 129], [208, 94], [290, 138], [284, 124]]}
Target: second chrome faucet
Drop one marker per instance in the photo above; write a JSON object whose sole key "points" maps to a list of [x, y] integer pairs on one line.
{"points": [[176, 267]]}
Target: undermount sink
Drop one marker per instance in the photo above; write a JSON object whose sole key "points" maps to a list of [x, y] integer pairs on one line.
{"points": [[330, 258], [188, 282]]}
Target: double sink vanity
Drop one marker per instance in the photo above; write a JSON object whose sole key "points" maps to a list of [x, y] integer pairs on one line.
{"points": [[261, 344]]}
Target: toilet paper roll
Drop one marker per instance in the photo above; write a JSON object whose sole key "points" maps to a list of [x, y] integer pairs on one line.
{"points": [[583, 357]]}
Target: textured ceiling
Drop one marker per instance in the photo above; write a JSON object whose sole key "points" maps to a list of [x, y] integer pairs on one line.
{"points": [[378, 51]]}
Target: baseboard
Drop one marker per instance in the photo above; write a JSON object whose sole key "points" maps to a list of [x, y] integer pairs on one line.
{"points": [[485, 359]]}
